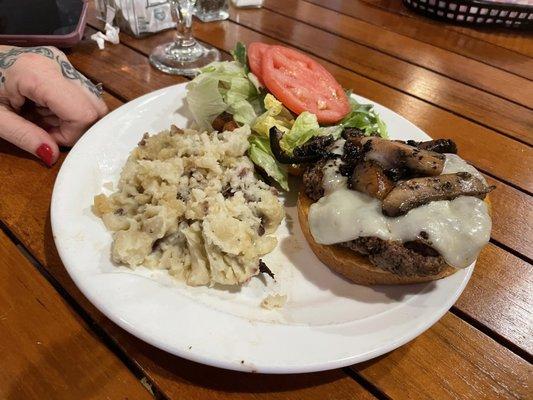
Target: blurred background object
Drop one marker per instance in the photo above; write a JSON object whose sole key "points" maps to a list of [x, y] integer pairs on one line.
{"points": [[247, 3], [45, 22], [136, 17], [211, 10], [503, 13]]}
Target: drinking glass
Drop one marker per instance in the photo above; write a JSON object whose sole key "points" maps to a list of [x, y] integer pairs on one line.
{"points": [[185, 55]]}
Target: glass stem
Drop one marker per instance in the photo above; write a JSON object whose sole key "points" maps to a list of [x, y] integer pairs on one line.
{"points": [[182, 13]]}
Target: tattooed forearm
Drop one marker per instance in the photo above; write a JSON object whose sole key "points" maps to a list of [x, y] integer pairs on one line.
{"points": [[9, 57]]}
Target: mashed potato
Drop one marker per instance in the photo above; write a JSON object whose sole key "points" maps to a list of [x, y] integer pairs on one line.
{"points": [[189, 202]]}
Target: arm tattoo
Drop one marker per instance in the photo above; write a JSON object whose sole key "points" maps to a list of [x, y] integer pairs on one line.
{"points": [[8, 58]]}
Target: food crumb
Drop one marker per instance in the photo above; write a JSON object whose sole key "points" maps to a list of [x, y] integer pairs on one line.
{"points": [[274, 301], [147, 385]]}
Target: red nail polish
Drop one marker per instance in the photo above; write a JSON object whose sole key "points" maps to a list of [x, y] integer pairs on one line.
{"points": [[45, 153]]}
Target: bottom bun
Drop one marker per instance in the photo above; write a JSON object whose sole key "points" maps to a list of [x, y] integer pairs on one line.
{"points": [[354, 266]]}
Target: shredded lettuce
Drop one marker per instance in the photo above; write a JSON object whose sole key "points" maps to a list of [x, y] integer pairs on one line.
{"points": [[295, 131]]}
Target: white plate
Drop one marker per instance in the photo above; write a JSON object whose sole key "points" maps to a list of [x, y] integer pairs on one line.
{"points": [[327, 321]]}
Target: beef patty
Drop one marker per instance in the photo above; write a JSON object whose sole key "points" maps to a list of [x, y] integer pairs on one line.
{"points": [[406, 259]]}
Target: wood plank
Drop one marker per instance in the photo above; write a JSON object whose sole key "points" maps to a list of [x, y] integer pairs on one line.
{"points": [[511, 39], [47, 350], [429, 31], [446, 93], [174, 376], [515, 40], [499, 296], [490, 151], [457, 67], [451, 360], [511, 209]]}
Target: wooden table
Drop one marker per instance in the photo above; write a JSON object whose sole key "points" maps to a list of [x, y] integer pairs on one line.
{"points": [[474, 86]]}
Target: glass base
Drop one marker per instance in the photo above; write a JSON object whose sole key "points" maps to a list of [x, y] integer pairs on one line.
{"points": [[187, 60]]}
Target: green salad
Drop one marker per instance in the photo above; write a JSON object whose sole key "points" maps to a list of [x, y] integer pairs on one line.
{"points": [[230, 86]]}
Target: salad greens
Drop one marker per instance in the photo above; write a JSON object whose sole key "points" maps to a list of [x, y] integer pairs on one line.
{"points": [[229, 86], [364, 117], [296, 132], [239, 55], [223, 86], [261, 155]]}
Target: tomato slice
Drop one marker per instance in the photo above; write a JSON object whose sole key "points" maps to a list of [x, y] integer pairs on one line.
{"points": [[255, 54], [302, 84]]}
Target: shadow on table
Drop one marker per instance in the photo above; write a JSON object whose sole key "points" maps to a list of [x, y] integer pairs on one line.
{"points": [[9, 149]]}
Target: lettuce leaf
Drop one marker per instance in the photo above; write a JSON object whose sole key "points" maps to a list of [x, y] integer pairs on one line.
{"points": [[364, 117], [205, 101], [222, 86], [304, 128], [275, 115], [261, 155], [239, 54]]}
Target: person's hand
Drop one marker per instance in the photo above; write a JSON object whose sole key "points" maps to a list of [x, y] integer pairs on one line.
{"points": [[44, 101]]}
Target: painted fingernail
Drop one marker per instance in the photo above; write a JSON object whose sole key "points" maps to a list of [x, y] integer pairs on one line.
{"points": [[45, 153]]}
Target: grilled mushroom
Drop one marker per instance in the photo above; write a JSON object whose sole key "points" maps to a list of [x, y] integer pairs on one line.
{"points": [[368, 177], [318, 145], [419, 191], [437, 145], [393, 155], [313, 150]]}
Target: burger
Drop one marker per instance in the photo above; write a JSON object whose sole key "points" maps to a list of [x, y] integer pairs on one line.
{"points": [[381, 211]]}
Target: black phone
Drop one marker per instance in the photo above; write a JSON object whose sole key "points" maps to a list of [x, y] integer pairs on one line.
{"points": [[42, 22]]}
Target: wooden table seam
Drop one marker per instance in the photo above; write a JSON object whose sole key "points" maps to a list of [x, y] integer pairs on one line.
{"points": [[501, 340]]}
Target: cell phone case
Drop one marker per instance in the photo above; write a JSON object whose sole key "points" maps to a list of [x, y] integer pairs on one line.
{"points": [[63, 41]]}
